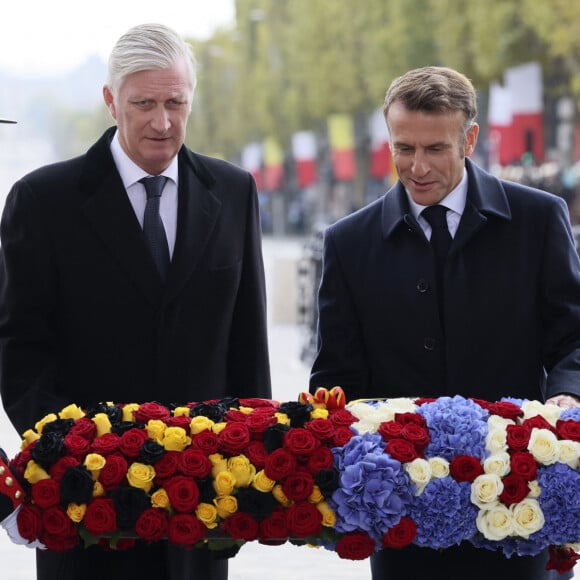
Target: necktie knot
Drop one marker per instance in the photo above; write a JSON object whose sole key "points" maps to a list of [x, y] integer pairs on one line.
{"points": [[154, 185], [436, 215]]}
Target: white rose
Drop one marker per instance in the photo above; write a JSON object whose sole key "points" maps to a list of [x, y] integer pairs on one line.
{"points": [[401, 405], [497, 422], [495, 522], [528, 517], [550, 412], [496, 440], [419, 471], [498, 463], [543, 445], [439, 467], [535, 489], [570, 453], [485, 489]]}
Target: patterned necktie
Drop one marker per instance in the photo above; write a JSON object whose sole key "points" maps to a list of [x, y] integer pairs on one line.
{"points": [[153, 226], [436, 215]]}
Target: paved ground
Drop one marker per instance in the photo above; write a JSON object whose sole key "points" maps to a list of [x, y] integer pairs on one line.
{"points": [[289, 378]]}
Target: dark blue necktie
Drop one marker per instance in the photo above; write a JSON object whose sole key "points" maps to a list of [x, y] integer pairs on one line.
{"points": [[153, 226], [436, 215]]}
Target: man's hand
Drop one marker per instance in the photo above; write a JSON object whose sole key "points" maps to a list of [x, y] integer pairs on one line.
{"points": [[564, 401]]}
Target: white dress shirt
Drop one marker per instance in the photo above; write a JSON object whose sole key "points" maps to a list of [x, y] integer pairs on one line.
{"points": [[131, 173]]}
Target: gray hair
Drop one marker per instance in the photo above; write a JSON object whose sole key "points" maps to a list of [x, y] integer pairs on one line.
{"points": [[148, 47]]}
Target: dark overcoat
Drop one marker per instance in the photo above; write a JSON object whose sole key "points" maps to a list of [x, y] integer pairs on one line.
{"points": [[511, 320]]}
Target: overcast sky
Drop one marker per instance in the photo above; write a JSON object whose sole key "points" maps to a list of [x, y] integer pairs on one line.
{"points": [[46, 36]]}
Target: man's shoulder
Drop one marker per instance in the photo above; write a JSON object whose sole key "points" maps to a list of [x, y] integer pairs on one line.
{"points": [[211, 169]]}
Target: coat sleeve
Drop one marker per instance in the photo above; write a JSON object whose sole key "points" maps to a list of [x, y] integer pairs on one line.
{"points": [[341, 358], [248, 359], [28, 367]]}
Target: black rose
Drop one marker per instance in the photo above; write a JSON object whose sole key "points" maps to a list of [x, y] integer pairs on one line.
{"points": [[114, 413], [256, 503], [123, 426], [327, 480], [213, 411], [76, 485], [129, 503], [298, 413], [206, 490], [274, 436], [48, 449], [60, 426], [151, 451]]}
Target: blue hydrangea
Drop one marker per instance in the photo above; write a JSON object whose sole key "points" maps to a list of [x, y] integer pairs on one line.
{"points": [[444, 514], [571, 414], [456, 426], [375, 491]]}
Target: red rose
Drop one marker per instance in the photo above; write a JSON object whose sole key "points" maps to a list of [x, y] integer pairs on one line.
{"points": [[183, 493], [322, 429], [100, 517], [206, 441], [235, 416], [355, 546], [180, 421], [241, 526], [114, 471], [303, 520], [523, 464], [322, 458], [465, 468], [76, 445], [300, 441], [131, 442], [416, 434], [273, 529], [46, 493], [152, 525], [568, 429], [166, 467], [59, 543], [424, 401], [106, 444], [59, 533], [410, 419], [84, 427], [29, 520], [401, 450], [538, 422], [342, 418], [149, 411], [401, 534], [518, 437], [342, 436], [193, 463], [258, 421], [233, 438], [256, 453], [57, 469], [279, 464], [185, 530], [506, 410], [515, 489], [562, 559], [260, 403], [390, 430], [20, 461], [298, 486]]}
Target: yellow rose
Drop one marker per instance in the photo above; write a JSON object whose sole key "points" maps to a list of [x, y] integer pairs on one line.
{"points": [[543, 445], [128, 412], [245, 410], [495, 522], [219, 464], [71, 412], [328, 515], [280, 496], [98, 489], [175, 439], [46, 419], [200, 423], [316, 496], [486, 489], [570, 453], [103, 423], [283, 419], [262, 482], [224, 483], [160, 499], [226, 505], [94, 463], [419, 471], [207, 513], [181, 412], [76, 512], [141, 476], [498, 463], [217, 428], [241, 468], [28, 437], [439, 467], [528, 517], [34, 473], [156, 429], [319, 413]]}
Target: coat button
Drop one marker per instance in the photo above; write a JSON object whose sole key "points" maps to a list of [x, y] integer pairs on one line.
{"points": [[422, 285], [429, 343]]}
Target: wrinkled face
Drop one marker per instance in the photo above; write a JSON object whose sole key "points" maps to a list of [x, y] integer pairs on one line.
{"points": [[429, 150], [151, 110]]}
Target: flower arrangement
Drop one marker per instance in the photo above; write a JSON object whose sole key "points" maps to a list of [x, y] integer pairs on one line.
{"points": [[353, 478]]}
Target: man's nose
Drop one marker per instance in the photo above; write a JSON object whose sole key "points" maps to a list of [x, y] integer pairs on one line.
{"points": [[420, 165], [160, 119]]}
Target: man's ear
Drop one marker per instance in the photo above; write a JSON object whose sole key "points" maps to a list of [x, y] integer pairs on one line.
{"points": [[109, 101]]}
